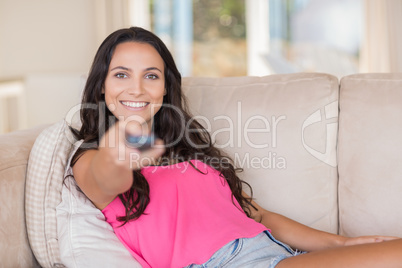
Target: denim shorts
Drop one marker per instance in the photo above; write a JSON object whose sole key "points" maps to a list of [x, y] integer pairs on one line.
{"points": [[262, 250]]}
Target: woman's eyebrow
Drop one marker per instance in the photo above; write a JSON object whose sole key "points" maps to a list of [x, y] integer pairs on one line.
{"points": [[128, 69], [121, 67], [153, 68]]}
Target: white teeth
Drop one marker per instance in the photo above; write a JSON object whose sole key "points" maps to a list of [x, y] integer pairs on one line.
{"points": [[134, 104]]}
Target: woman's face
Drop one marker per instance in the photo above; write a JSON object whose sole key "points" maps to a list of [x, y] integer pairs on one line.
{"points": [[135, 83]]}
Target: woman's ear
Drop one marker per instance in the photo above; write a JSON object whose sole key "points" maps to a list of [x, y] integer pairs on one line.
{"points": [[165, 92], [103, 90]]}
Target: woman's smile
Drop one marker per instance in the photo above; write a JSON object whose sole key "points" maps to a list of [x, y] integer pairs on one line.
{"points": [[134, 105]]}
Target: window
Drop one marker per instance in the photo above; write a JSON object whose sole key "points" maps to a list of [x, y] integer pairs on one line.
{"points": [[260, 37], [315, 35]]}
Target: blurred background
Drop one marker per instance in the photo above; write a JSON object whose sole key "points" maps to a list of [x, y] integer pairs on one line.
{"points": [[46, 46]]}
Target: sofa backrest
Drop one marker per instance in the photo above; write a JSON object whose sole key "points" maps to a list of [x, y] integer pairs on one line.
{"points": [[282, 130], [370, 155]]}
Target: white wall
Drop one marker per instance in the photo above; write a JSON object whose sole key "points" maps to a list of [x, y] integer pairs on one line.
{"points": [[46, 36], [49, 45], [50, 97]]}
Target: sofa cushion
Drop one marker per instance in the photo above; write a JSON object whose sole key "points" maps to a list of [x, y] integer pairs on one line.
{"points": [[14, 152], [85, 238], [282, 130], [64, 227], [370, 147], [44, 180]]}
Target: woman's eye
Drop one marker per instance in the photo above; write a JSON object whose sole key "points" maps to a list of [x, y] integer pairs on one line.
{"points": [[120, 75], [151, 76]]}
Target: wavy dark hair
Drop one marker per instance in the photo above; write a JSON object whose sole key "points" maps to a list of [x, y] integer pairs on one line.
{"points": [[183, 143]]}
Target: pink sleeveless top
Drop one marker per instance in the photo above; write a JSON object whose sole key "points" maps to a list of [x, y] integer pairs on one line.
{"points": [[190, 216]]}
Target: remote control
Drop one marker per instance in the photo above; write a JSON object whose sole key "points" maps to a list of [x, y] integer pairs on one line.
{"points": [[141, 143]]}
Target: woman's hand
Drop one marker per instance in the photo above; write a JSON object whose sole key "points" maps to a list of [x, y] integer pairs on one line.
{"points": [[305, 238], [141, 158], [104, 173], [350, 241], [114, 146]]}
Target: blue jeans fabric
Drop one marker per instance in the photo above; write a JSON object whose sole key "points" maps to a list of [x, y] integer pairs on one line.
{"points": [[262, 250]]}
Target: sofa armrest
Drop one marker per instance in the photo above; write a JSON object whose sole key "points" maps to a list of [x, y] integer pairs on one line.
{"points": [[14, 152]]}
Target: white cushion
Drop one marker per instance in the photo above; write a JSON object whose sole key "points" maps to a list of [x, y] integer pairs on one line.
{"points": [[85, 238]]}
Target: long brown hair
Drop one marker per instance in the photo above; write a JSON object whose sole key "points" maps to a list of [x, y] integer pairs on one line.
{"points": [[183, 143]]}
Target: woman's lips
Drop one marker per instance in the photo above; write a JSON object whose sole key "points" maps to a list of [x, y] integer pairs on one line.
{"points": [[134, 104]]}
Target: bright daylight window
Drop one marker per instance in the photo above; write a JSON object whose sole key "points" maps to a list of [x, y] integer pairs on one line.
{"points": [[209, 37], [315, 36]]}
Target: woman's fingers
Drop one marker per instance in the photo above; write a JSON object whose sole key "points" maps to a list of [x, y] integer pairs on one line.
{"points": [[127, 143], [139, 159], [385, 238], [367, 239]]}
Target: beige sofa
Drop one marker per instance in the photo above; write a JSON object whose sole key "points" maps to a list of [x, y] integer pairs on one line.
{"points": [[321, 151]]}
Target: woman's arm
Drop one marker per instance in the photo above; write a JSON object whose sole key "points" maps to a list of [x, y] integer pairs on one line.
{"points": [[104, 173], [302, 237]]}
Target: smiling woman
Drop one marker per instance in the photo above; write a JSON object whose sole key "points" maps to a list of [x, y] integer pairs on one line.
{"points": [[135, 75], [135, 83]]}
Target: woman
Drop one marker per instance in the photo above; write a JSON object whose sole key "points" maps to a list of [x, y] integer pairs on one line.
{"points": [[180, 203]]}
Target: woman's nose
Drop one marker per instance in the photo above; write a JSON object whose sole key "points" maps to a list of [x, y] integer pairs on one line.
{"points": [[135, 88]]}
